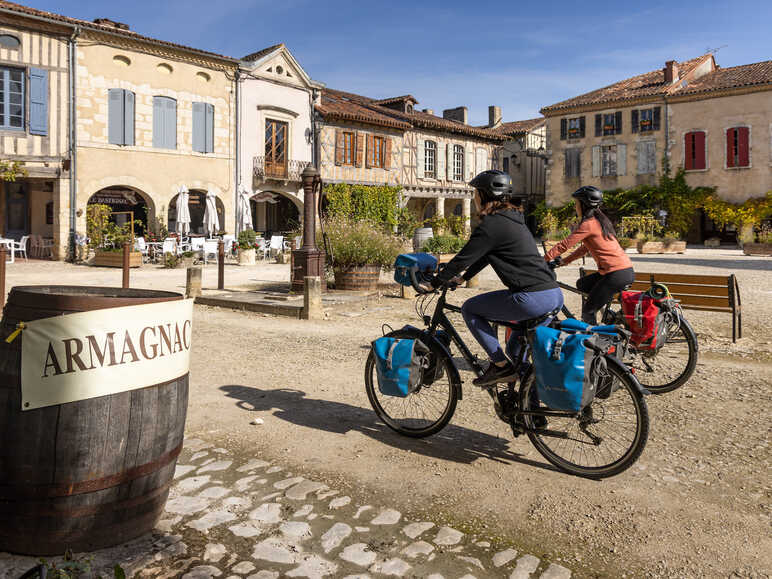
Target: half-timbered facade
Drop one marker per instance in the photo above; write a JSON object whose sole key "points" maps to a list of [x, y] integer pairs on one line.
{"points": [[34, 126]]}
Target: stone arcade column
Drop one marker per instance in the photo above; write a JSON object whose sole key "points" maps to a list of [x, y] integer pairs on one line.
{"points": [[466, 213]]}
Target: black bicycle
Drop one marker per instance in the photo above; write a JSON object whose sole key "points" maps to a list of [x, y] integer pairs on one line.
{"points": [[602, 440], [666, 367]]}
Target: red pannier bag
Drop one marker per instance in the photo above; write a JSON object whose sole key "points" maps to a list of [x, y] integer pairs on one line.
{"points": [[646, 320]]}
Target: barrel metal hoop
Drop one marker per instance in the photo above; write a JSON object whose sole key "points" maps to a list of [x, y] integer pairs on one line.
{"points": [[88, 486]]}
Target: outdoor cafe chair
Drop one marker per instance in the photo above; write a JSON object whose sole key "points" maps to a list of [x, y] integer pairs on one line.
{"points": [[170, 246], [263, 248], [141, 246], [46, 247], [20, 246], [210, 248], [277, 244]]}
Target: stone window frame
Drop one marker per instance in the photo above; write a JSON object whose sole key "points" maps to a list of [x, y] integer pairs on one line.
{"points": [[750, 148]]}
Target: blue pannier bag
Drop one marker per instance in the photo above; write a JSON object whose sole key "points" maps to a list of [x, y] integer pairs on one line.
{"points": [[564, 368], [398, 364], [422, 264]]}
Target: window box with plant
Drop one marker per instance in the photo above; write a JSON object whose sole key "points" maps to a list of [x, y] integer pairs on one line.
{"points": [[247, 247]]}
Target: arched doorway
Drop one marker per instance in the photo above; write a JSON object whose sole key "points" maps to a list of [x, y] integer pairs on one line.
{"points": [[274, 213], [123, 199], [197, 207]]}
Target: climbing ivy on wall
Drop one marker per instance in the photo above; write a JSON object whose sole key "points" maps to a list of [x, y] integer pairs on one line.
{"points": [[363, 202]]}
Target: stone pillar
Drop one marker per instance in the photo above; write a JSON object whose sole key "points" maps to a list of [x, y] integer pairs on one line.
{"points": [[312, 298], [193, 282], [439, 204], [466, 213], [61, 225]]}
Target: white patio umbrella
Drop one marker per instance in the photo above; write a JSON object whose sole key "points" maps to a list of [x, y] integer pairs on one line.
{"points": [[183, 211], [245, 211], [211, 219]]}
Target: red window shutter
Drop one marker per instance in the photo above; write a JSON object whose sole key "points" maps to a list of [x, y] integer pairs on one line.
{"points": [[730, 153], [338, 147], [743, 134], [360, 155], [387, 153], [689, 151], [699, 150]]}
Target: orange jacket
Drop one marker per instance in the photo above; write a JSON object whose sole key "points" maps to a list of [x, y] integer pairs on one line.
{"points": [[607, 253]]}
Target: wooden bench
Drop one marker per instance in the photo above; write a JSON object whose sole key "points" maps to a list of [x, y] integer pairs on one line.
{"points": [[708, 293]]}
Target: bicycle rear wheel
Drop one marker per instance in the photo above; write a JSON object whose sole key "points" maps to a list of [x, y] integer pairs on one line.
{"points": [[670, 366], [605, 439], [426, 410]]}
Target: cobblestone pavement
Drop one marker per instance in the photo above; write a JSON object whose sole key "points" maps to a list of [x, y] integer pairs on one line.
{"points": [[256, 520]]}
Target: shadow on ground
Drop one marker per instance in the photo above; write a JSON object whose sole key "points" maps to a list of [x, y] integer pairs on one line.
{"points": [[453, 443]]}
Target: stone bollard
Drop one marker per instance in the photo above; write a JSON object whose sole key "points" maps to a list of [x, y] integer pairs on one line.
{"points": [[407, 292], [193, 282], [312, 298], [474, 282], [126, 264]]}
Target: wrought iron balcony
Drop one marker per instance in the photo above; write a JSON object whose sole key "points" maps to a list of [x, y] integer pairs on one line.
{"points": [[289, 171]]}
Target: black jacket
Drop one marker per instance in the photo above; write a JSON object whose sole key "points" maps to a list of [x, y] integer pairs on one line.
{"points": [[502, 241]]}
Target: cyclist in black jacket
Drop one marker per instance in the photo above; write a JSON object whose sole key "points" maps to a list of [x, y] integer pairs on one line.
{"points": [[502, 241]]}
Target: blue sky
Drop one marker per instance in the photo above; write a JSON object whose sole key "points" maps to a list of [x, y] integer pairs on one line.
{"points": [[518, 55]]}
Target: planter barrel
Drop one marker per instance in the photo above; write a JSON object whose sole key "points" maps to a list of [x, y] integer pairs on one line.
{"points": [[88, 474], [421, 236], [357, 278]]}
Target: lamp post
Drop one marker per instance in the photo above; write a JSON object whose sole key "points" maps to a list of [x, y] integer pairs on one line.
{"points": [[309, 259]]}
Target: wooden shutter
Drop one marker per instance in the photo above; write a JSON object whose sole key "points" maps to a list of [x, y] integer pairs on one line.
{"points": [[387, 153], [634, 120], [641, 157], [699, 150], [598, 125], [199, 130], [420, 159], [618, 122], [360, 149], [581, 127], [689, 151], [743, 134], [370, 150], [38, 101], [621, 159], [128, 118], [339, 145], [209, 128], [563, 129], [449, 162], [596, 161], [468, 164], [158, 122], [115, 124], [730, 152], [441, 158], [170, 120], [655, 119]]}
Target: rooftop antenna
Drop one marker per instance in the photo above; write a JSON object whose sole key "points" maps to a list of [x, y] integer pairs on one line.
{"points": [[714, 50]]}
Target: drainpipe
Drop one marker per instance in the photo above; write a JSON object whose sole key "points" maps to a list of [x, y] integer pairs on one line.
{"points": [[237, 171], [73, 145], [667, 136]]}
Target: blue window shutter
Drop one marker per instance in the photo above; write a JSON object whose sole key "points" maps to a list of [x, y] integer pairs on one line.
{"points": [[158, 122], [115, 107], [128, 117], [199, 130], [170, 120], [38, 101], [209, 128]]}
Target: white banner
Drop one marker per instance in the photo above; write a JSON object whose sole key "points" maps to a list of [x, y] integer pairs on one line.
{"points": [[90, 354]]}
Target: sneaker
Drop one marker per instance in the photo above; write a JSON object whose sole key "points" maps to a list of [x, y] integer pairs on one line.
{"points": [[495, 374]]}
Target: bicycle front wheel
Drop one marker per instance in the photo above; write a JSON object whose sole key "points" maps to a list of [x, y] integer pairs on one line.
{"points": [[605, 439], [670, 366], [427, 409]]}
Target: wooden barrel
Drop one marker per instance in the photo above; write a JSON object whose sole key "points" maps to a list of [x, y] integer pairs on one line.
{"points": [[421, 236], [357, 278], [88, 474]]}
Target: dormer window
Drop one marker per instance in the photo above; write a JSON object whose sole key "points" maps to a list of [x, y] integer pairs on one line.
{"points": [[9, 42]]}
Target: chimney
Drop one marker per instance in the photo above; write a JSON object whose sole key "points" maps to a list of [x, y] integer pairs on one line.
{"points": [[429, 111], [459, 114], [671, 72], [494, 116]]}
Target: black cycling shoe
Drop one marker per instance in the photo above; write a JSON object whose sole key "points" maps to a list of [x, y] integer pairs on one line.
{"points": [[495, 374]]}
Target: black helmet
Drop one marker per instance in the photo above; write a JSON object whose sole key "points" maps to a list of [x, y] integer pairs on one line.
{"points": [[492, 184], [589, 195]]}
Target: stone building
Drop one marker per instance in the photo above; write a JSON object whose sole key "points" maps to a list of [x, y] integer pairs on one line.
{"points": [[276, 136], [389, 142], [716, 123], [34, 124]]}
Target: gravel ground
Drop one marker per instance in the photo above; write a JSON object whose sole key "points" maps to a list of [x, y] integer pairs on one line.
{"points": [[696, 504]]}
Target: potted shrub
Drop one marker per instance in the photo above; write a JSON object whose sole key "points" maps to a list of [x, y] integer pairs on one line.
{"points": [[672, 243], [444, 246], [360, 249], [246, 242], [188, 258], [107, 238], [625, 242], [762, 244]]}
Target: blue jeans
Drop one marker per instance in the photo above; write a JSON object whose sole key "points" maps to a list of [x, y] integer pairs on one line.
{"points": [[505, 306]]}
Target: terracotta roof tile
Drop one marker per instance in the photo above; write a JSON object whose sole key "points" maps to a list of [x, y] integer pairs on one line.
{"points": [[21, 9], [340, 105], [518, 127], [261, 53], [644, 85], [758, 73], [391, 100]]}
